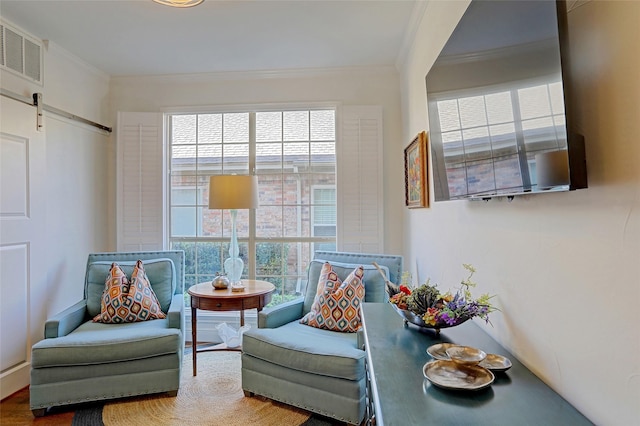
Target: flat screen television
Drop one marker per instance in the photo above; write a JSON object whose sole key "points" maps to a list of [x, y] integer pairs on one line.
{"points": [[499, 105]]}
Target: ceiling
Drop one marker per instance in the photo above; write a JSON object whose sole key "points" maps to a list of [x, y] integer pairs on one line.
{"points": [[140, 37]]}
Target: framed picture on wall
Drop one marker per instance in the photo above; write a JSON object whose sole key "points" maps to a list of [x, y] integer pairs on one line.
{"points": [[415, 172]]}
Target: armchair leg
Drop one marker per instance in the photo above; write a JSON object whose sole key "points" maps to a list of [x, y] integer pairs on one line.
{"points": [[39, 412], [172, 393], [247, 393]]}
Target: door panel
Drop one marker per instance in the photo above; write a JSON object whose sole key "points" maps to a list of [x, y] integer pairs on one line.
{"points": [[14, 326], [23, 269]]}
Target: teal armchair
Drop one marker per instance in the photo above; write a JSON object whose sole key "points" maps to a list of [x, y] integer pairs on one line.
{"points": [[315, 369], [80, 360]]}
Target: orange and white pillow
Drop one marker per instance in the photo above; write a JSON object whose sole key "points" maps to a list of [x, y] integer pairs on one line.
{"points": [[124, 301], [336, 305]]}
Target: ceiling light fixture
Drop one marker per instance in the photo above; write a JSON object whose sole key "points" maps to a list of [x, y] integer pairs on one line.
{"points": [[179, 3]]}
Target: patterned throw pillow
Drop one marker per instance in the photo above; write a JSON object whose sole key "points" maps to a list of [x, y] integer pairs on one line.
{"points": [[336, 305], [143, 302], [114, 297], [123, 301]]}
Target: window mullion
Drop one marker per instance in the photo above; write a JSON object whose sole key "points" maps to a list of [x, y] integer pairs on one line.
{"points": [[252, 212], [282, 182], [197, 143]]}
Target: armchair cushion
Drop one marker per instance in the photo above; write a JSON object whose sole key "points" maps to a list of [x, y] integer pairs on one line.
{"points": [[96, 343], [298, 347], [337, 303]]}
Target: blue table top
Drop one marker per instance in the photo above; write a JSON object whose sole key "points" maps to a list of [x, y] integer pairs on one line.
{"points": [[396, 354]]}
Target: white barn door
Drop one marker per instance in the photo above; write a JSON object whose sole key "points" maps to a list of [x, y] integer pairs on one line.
{"points": [[23, 266]]}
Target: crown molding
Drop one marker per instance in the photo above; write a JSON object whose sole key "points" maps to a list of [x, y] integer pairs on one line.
{"points": [[419, 9], [498, 53], [55, 49], [261, 74]]}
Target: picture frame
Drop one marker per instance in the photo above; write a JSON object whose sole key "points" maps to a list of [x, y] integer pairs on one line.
{"points": [[415, 172]]}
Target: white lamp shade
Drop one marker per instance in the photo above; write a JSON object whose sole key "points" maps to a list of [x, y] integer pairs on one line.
{"points": [[552, 169], [233, 192]]}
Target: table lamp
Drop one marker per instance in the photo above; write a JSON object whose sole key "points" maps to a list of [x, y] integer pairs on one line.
{"points": [[233, 192]]}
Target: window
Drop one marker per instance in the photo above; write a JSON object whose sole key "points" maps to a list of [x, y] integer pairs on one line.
{"points": [[186, 213], [293, 155], [324, 215]]}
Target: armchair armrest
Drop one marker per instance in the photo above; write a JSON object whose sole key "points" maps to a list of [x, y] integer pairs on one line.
{"points": [[360, 339], [175, 313], [66, 321], [280, 314]]}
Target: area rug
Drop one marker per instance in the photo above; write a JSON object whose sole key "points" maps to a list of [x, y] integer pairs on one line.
{"points": [[213, 397]]}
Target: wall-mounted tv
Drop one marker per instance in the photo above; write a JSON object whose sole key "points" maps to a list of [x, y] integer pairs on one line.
{"points": [[499, 106]]}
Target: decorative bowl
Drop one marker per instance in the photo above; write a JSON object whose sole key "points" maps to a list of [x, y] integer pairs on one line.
{"points": [[449, 375], [496, 363], [220, 281], [466, 355], [439, 351], [410, 317]]}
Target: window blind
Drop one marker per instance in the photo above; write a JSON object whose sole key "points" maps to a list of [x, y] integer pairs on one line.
{"points": [[140, 183], [360, 186]]}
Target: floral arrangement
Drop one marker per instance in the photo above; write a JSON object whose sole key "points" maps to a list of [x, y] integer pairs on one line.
{"points": [[438, 309]]}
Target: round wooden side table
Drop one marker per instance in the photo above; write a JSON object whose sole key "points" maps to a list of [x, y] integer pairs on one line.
{"points": [[256, 295]]}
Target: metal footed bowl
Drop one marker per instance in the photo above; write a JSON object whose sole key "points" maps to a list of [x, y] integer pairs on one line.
{"points": [[410, 317]]}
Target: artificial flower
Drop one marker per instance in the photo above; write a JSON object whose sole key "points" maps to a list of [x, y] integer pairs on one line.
{"points": [[438, 309]]}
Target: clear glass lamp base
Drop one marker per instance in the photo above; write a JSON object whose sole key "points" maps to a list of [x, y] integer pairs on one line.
{"points": [[233, 267]]}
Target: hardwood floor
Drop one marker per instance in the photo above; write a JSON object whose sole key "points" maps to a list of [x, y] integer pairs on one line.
{"points": [[14, 411]]}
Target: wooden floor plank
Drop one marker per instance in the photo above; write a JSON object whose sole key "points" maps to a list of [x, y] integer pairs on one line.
{"points": [[14, 411]]}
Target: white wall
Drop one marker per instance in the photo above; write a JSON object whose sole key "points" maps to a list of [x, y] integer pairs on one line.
{"points": [[564, 266], [78, 212], [347, 87]]}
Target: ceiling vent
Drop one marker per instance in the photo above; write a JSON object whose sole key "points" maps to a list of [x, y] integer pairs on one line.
{"points": [[20, 53]]}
